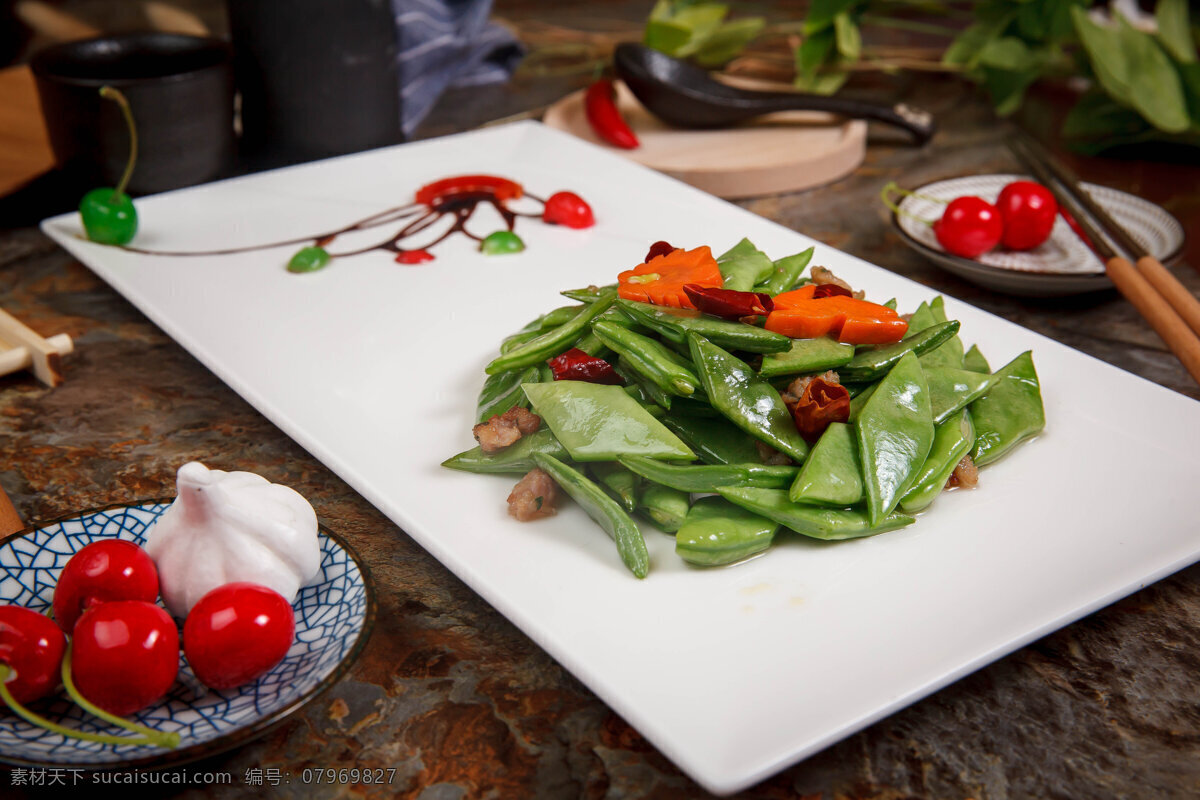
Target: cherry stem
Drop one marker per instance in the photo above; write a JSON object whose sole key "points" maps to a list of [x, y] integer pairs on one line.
{"points": [[109, 93], [892, 186], [160, 738], [8, 673]]}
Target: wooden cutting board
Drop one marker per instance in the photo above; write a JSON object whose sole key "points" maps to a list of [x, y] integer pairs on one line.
{"points": [[24, 144], [783, 152]]}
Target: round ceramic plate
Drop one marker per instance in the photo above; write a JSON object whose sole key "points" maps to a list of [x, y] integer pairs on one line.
{"points": [[334, 616], [1062, 265]]}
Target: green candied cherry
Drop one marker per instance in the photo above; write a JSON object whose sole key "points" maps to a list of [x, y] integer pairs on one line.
{"points": [[108, 214], [501, 242], [309, 259]]}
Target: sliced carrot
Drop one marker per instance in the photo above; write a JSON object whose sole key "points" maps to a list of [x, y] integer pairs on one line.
{"points": [[847, 319], [661, 279]]}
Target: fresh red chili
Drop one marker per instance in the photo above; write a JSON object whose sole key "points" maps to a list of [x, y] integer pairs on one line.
{"points": [[576, 365], [600, 106], [820, 404], [502, 189], [659, 248], [728, 303]]}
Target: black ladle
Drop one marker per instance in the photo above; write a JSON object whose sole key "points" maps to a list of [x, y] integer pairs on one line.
{"points": [[685, 96]]}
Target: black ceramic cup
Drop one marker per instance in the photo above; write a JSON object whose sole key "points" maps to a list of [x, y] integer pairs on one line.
{"points": [[180, 89]]}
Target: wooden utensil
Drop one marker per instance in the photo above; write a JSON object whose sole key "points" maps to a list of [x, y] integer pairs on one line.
{"points": [[1130, 281], [22, 348], [10, 520]]}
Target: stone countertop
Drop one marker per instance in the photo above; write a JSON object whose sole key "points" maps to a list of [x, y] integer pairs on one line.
{"points": [[461, 704]]}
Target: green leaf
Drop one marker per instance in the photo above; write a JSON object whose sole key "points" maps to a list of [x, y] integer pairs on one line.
{"points": [[822, 13], [1007, 87], [666, 37], [1190, 75], [849, 39], [679, 29], [728, 41], [1106, 55], [1098, 123], [824, 83], [1007, 53], [1156, 91], [1174, 30], [965, 50], [813, 52]]}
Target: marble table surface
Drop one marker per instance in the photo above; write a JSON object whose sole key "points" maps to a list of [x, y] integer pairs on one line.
{"points": [[463, 705]]}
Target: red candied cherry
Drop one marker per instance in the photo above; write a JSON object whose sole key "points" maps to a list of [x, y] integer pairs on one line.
{"points": [[568, 208], [236, 633], [1028, 210], [125, 655], [969, 227], [103, 571]]}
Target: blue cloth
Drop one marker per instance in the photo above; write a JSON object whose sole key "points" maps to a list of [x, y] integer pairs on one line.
{"points": [[447, 43]]}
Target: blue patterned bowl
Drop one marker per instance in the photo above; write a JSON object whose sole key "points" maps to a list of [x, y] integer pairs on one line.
{"points": [[334, 616]]}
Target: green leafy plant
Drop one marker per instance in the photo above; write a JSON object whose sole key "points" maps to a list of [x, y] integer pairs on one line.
{"points": [[1145, 86]]}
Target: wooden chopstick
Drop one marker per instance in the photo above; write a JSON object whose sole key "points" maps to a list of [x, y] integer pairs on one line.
{"points": [[1129, 280], [10, 520]]}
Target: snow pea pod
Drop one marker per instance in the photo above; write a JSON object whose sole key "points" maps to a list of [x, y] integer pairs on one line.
{"points": [[952, 440], [667, 508], [675, 324], [832, 474], [1010, 411], [502, 391], [870, 364], [668, 371], [950, 352], [517, 458], [974, 361], [785, 273], [895, 432], [631, 546], [921, 319], [559, 316], [519, 338], [813, 521], [588, 294], [553, 341], [807, 355], [717, 532], [598, 423], [621, 482], [744, 265], [860, 398], [707, 477], [953, 389], [715, 439], [647, 387], [745, 399]]}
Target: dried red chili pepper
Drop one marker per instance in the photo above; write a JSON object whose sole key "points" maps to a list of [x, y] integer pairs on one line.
{"points": [[600, 106], [831, 290], [576, 365], [728, 303], [821, 403], [659, 248]]}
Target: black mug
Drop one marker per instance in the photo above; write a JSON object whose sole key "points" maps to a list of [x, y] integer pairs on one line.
{"points": [[179, 88], [317, 78]]}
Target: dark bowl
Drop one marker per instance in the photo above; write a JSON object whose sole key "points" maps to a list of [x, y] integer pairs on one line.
{"points": [[180, 89]]}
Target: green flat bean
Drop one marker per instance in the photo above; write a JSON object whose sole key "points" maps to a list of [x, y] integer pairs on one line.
{"points": [[622, 483], [502, 391], [598, 423], [952, 440], [517, 458], [1009, 412], [552, 342], [559, 316], [665, 507], [588, 294], [785, 273], [858, 400], [953, 389], [832, 473], [675, 324], [974, 361], [743, 266], [807, 355], [519, 338], [920, 320], [668, 371], [813, 521], [895, 432], [871, 363], [745, 399], [631, 545], [707, 477], [716, 440], [647, 387], [717, 532], [950, 352]]}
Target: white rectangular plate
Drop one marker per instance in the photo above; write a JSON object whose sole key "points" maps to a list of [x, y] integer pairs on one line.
{"points": [[733, 673]]}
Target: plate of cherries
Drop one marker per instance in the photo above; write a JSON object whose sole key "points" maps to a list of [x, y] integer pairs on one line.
{"points": [[96, 673]]}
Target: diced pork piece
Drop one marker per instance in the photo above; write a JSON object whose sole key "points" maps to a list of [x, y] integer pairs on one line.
{"points": [[965, 474], [503, 429], [795, 390], [772, 457], [533, 497], [822, 275]]}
